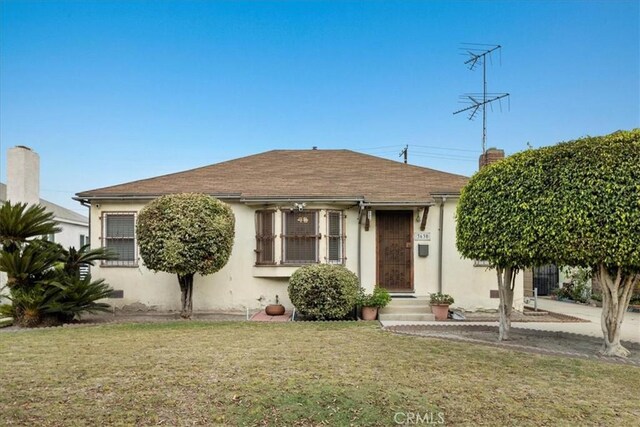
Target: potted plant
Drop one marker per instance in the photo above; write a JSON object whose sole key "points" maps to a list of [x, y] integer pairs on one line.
{"points": [[276, 309], [372, 302], [440, 305]]}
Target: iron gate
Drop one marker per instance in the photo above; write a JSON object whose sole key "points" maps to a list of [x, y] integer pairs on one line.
{"points": [[546, 279]]}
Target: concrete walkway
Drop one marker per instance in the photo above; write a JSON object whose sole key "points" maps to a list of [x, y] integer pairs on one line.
{"points": [[630, 327]]}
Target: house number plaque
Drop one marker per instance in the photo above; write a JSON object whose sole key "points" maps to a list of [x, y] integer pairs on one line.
{"points": [[423, 236]]}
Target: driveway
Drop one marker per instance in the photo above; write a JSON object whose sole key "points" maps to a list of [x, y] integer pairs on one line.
{"points": [[630, 327]]}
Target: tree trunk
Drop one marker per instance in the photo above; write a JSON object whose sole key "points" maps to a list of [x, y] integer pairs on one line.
{"points": [[506, 284], [186, 289], [616, 293]]}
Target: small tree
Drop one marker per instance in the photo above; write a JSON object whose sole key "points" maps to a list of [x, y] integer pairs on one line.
{"points": [[596, 220], [496, 222], [185, 234], [576, 203]]}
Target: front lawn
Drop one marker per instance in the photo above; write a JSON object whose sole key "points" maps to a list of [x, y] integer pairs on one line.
{"points": [[185, 373]]}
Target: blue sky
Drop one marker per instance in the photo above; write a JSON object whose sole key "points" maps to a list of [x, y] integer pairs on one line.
{"points": [[109, 92]]}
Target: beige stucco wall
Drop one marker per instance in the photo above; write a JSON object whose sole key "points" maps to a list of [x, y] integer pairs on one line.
{"points": [[468, 284], [241, 284]]}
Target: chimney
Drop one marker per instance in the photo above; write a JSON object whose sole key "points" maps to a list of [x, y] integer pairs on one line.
{"points": [[492, 155], [23, 175]]}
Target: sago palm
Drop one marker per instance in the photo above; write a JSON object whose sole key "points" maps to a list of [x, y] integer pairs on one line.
{"points": [[20, 222], [73, 258]]}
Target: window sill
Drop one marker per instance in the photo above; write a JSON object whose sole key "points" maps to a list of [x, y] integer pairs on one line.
{"points": [[119, 265], [274, 270]]}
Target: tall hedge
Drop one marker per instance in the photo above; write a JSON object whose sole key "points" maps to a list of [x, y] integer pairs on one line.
{"points": [[576, 203]]}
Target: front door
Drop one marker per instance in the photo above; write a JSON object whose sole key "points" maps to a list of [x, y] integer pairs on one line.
{"points": [[394, 240]]}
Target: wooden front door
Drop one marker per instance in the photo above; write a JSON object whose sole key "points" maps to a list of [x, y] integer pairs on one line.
{"points": [[394, 238]]}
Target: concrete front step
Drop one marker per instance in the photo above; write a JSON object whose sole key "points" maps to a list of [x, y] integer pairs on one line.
{"points": [[406, 309], [409, 301], [407, 317]]}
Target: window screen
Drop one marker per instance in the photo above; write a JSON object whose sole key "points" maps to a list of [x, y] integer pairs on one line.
{"points": [[265, 237], [119, 237], [300, 237]]}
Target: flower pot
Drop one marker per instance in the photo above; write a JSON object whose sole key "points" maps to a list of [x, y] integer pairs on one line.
{"points": [[274, 309], [440, 311], [369, 313]]}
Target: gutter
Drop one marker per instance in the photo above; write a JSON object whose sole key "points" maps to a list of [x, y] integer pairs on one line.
{"points": [[271, 199]]}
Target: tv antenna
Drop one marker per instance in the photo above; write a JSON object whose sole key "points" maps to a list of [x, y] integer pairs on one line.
{"points": [[478, 101]]}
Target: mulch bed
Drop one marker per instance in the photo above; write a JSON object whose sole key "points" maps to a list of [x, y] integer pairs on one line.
{"points": [[540, 342]]}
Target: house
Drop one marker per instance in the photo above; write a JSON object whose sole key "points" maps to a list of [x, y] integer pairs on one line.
{"points": [[393, 224], [23, 186], [74, 227]]}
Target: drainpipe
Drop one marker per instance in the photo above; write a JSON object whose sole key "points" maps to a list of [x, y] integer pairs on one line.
{"points": [[440, 241], [361, 206]]}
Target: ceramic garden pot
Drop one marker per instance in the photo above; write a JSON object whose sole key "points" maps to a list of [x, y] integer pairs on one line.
{"points": [[369, 313], [441, 312], [274, 309]]}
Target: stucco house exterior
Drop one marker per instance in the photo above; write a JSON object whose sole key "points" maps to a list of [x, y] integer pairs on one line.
{"points": [[393, 224]]}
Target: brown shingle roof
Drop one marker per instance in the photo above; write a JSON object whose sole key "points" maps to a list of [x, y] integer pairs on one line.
{"points": [[310, 174]]}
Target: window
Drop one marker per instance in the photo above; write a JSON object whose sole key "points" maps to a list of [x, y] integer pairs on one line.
{"points": [[50, 238], [300, 237], [335, 237], [265, 237], [119, 236], [84, 240]]}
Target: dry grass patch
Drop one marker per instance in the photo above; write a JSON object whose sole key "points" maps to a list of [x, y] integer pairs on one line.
{"points": [[240, 373]]}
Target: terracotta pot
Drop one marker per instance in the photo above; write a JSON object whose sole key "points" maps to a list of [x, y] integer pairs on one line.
{"points": [[440, 311], [369, 313], [274, 309]]}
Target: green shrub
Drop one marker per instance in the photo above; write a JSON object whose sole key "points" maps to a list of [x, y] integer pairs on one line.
{"points": [[323, 291], [379, 298], [6, 310], [439, 298], [43, 278]]}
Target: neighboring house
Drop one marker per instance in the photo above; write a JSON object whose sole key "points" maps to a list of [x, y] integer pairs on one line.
{"points": [[75, 227], [391, 223], [23, 186]]}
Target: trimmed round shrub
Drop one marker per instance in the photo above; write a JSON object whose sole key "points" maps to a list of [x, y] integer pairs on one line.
{"points": [[323, 291]]}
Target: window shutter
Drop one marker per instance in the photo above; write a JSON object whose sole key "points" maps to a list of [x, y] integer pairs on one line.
{"points": [[265, 237], [335, 234]]}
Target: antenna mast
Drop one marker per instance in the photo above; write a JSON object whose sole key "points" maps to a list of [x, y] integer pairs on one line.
{"points": [[405, 153], [478, 54]]}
